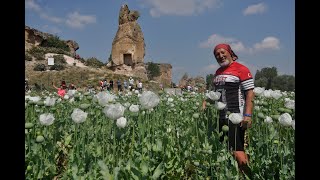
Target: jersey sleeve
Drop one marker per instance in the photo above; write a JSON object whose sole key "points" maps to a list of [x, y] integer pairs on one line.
{"points": [[246, 79]]}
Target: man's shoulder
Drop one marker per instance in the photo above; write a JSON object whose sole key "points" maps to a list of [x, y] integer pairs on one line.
{"points": [[239, 65]]}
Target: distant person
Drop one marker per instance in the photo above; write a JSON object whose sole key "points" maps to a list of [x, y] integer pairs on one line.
{"points": [[111, 84], [105, 84], [62, 90], [125, 85], [72, 87], [131, 83], [119, 85], [161, 86], [101, 84], [139, 86]]}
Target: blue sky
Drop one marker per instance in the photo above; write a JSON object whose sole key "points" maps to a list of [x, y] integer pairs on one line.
{"points": [[179, 32]]}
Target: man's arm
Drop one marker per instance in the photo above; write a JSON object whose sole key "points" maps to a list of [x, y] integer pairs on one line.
{"points": [[249, 101], [248, 109]]}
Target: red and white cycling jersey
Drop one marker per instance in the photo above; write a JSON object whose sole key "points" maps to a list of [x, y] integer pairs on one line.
{"points": [[232, 82]]}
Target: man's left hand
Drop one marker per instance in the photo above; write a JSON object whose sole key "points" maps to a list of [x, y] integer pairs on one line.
{"points": [[246, 123]]}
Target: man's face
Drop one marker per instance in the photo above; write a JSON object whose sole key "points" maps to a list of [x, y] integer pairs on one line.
{"points": [[223, 57]]}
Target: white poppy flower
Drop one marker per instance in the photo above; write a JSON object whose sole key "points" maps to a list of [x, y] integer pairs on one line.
{"points": [[27, 97], [46, 119], [149, 100], [34, 99], [78, 116], [276, 94], [104, 98], [121, 122], [290, 104], [213, 95], [71, 92], [126, 104], [50, 101], [268, 120], [267, 93], [114, 111], [285, 119], [170, 99], [134, 108], [66, 96], [235, 118], [136, 91], [258, 91], [220, 105]]}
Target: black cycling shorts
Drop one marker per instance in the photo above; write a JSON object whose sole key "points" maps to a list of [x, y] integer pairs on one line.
{"points": [[235, 135]]}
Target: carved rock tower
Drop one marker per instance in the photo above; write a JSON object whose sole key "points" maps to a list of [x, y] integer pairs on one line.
{"points": [[128, 47]]}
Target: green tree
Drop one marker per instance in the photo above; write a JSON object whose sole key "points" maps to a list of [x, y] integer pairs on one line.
{"points": [[54, 41], [93, 62], [153, 70], [284, 83], [269, 74]]}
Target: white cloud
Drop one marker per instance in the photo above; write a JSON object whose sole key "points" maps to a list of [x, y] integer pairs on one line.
{"points": [[215, 39], [74, 20], [238, 47], [179, 7], [50, 18], [32, 5], [255, 9], [77, 20], [268, 43], [52, 30]]}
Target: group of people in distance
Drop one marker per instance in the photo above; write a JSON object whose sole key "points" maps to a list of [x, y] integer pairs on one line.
{"points": [[121, 86]]}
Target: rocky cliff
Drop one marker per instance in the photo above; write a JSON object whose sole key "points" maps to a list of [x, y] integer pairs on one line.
{"points": [[34, 37]]}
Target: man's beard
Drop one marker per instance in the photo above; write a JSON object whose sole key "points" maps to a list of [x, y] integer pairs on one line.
{"points": [[225, 63]]}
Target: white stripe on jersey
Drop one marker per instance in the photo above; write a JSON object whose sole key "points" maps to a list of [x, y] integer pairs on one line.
{"points": [[221, 79], [247, 84]]}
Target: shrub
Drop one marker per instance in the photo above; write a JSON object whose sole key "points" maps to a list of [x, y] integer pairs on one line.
{"points": [[59, 59], [36, 49], [55, 42], [94, 62], [153, 70], [57, 67], [27, 57], [39, 56], [56, 51], [40, 67]]}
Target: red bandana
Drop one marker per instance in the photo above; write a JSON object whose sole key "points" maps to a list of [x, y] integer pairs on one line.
{"points": [[227, 48]]}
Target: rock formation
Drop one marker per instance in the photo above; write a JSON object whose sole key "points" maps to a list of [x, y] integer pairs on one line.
{"points": [[128, 47], [165, 74], [197, 81], [34, 37]]}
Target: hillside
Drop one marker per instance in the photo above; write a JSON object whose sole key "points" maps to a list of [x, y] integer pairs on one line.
{"points": [[80, 75]]}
